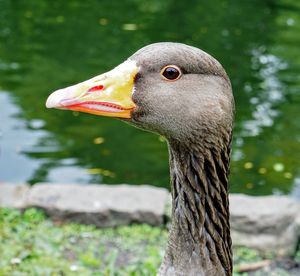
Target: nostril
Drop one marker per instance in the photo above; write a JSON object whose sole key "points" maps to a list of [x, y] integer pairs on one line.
{"points": [[96, 88]]}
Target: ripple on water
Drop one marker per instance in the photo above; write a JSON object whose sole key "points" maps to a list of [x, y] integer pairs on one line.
{"points": [[264, 112], [19, 139]]}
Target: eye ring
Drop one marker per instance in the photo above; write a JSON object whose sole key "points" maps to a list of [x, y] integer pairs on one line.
{"points": [[171, 72]]}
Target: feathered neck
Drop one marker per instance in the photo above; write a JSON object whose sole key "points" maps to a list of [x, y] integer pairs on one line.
{"points": [[199, 241]]}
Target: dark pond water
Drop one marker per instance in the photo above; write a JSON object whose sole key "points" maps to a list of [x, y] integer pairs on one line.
{"points": [[46, 45]]}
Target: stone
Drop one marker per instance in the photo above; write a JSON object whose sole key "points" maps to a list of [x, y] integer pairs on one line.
{"points": [[266, 223], [13, 195], [101, 205], [298, 223]]}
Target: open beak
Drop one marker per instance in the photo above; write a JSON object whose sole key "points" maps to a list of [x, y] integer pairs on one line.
{"points": [[109, 94]]}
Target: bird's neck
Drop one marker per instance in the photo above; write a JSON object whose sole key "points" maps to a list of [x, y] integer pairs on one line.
{"points": [[199, 241]]}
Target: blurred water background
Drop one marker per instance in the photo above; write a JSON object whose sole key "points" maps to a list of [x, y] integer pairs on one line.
{"points": [[46, 45]]}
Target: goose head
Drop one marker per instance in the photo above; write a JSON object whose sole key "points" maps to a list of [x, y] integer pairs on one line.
{"points": [[184, 94], [173, 89]]}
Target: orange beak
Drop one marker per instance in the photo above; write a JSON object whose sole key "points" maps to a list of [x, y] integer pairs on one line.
{"points": [[109, 94]]}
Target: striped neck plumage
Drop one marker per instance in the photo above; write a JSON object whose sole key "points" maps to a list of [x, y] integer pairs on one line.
{"points": [[199, 241]]}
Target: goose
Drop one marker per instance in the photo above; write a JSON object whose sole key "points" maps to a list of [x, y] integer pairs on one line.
{"points": [[184, 94]]}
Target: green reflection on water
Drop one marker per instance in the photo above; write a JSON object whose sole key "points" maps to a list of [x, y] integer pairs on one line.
{"points": [[47, 45]]}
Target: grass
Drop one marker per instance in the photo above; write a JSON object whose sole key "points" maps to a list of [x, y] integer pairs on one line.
{"points": [[31, 244]]}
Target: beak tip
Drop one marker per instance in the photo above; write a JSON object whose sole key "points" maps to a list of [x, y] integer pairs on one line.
{"points": [[50, 103], [54, 99]]}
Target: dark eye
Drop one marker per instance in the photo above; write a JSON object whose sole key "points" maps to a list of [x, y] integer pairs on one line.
{"points": [[171, 72]]}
